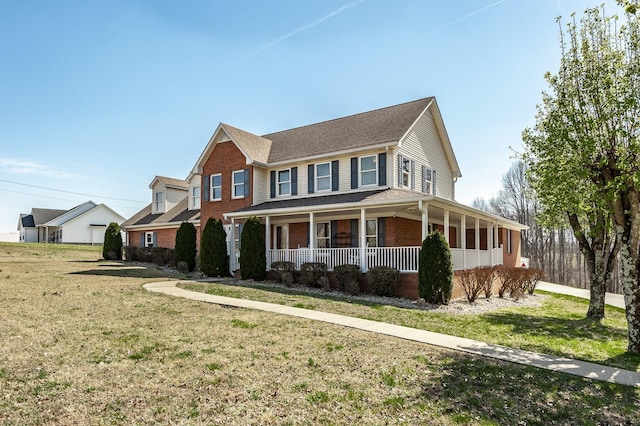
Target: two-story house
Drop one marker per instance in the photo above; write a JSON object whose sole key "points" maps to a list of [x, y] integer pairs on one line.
{"points": [[363, 189], [173, 201]]}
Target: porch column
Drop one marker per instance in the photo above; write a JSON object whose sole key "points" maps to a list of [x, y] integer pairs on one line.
{"points": [[363, 240], [463, 240], [477, 241], [312, 239], [267, 235], [495, 239], [446, 226], [233, 261], [425, 221], [490, 242]]}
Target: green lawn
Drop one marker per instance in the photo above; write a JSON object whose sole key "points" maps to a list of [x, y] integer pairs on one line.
{"points": [[558, 327]]}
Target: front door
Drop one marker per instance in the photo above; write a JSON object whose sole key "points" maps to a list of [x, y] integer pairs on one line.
{"points": [[282, 236]]}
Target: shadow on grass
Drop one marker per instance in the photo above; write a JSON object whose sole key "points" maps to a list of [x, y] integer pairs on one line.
{"points": [[126, 270], [477, 389]]}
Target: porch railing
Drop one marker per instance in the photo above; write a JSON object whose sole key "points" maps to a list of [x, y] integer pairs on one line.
{"points": [[404, 259]]}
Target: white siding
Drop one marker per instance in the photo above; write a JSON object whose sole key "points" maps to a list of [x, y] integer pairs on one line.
{"points": [[195, 182], [80, 231], [173, 197], [423, 145], [260, 185]]}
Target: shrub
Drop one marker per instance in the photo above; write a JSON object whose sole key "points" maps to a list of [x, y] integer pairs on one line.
{"points": [[158, 255], [283, 272], [513, 281], [435, 270], [315, 274], [186, 245], [112, 246], [534, 276], [131, 253], [475, 281], [253, 254], [348, 278], [214, 261], [182, 267], [383, 280]]}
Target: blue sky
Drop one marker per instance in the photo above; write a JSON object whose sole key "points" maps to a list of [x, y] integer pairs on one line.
{"points": [[98, 97]]}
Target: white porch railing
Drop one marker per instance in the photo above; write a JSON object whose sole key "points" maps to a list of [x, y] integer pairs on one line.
{"points": [[404, 259]]}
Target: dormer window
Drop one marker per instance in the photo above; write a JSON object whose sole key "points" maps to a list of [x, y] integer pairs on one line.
{"points": [[159, 202], [195, 197]]}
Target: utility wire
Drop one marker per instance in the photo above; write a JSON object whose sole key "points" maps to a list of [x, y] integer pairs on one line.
{"points": [[71, 192]]}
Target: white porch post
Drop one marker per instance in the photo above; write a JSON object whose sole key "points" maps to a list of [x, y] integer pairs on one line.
{"points": [[477, 241], [446, 226], [463, 240], [267, 237], [495, 239], [363, 240], [425, 221], [490, 242], [233, 261], [312, 240]]}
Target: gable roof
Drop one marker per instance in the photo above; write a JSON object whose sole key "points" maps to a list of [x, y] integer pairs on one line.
{"points": [[170, 182], [372, 128], [175, 216], [71, 214], [42, 216]]}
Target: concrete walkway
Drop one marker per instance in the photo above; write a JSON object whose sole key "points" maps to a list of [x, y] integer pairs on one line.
{"points": [[612, 299], [549, 362]]}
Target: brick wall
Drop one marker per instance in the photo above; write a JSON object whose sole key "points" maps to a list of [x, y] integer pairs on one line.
{"points": [[165, 237], [225, 159]]}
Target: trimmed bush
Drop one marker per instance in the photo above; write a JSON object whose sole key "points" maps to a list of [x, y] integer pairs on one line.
{"points": [[186, 245], [435, 271], [515, 281], [283, 272], [158, 255], [112, 246], [534, 276], [348, 278], [214, 260], [131, 253], [475, 281], [383, 280], [253, 254], [315, 274]]}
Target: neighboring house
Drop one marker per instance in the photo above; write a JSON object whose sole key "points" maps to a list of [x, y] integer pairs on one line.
{"points": [[83, 224], [363, 189], [173, 201]]}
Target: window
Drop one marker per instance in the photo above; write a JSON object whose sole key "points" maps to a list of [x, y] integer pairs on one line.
{"points": [[323, 177], [148, 239], [195, 197], [159, 202], [284, 182], [238, 184], [372, 232], [323, 235], [216, 187], [368, 171], [428, 180], [406, 172]]}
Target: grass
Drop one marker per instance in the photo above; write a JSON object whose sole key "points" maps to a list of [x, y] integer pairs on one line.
{"points": [[84, 344], [557, 327]]}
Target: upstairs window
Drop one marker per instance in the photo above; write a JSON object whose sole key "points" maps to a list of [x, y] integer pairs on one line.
{"points": [[216, 187], [428, 181], [284, 182], [323, 177], [240, 184], [195, 197], [368, 170], [159, 202], [406, 172]]}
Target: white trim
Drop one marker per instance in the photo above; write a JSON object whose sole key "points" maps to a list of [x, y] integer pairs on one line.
{"points": [[278, 183], [316, 177], [375, 171], [234, 184], [212, 187]]}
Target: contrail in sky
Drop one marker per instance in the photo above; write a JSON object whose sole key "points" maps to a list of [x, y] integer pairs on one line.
{"points": [[299, 30], [465, 17]]}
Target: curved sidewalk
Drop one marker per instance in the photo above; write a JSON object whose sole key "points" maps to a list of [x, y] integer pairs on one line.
{"points": [[549, 362]]}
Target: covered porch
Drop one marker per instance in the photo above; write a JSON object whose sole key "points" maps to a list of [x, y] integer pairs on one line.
{"points": [[377, 230]]}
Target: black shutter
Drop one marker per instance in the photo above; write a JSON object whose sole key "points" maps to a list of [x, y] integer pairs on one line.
{"points": [[142, 234], [273, 183], [354, 173], [354, 232], [424, 176], [334, 233], [206, 181], [399, 170], [413, 174], [382, 169], [335, 178], [382, 232], [246, 182], [308, 230], [155, 239], [310, 178], [294, 181]]}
